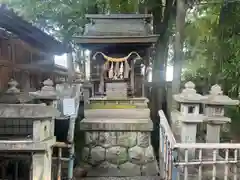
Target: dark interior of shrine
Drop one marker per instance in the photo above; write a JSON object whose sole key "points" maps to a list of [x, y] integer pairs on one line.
{"points": [[118, 48]]}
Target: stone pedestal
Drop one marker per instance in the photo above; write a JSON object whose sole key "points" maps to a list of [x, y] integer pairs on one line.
{"points": [[214, 128], [189, 130], [116, 90], [118, 145], [42, 165], [40, 137]]}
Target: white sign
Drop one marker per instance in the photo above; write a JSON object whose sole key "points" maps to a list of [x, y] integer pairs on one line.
{"points": [[69, 106]]}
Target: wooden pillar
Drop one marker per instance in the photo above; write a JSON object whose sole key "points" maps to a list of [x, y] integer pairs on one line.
{"points": [[132, 77], [143, 80], [101, 84], [70, 65], [146, 72]]}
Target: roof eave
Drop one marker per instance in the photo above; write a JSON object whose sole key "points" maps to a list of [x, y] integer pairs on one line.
{"points": [[150, 39]]}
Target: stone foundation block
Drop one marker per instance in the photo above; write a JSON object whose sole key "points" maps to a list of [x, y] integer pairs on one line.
{"points": [[97, 155], [91, 138], [119, 153], [149, 169], [107, 139], [127, 139], [143, 139], [105, 169], [129, 169], [116, 155]]}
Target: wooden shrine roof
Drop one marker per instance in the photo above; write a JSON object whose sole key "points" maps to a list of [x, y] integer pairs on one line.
{"points": [[15, 24], [117, 29]]}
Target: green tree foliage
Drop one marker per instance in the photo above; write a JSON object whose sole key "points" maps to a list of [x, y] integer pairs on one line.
{"points": [[212, 51], [64, 18], [212, 43], [201, 46]]}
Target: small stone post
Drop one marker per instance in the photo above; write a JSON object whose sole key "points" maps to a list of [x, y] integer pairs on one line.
{"points": [[47, 95], [189, 113], [214, 112]]}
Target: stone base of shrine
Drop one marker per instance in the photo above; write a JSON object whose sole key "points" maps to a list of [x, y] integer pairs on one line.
{"points": [[118, 148]]}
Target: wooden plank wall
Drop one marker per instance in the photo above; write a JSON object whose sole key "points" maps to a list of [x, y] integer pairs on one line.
{"points": [[5, 70], [14, 52]]}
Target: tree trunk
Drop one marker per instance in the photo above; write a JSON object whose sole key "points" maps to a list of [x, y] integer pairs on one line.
{"points": [[161, 17], [70, 66], [158, 77], [178, 49]]}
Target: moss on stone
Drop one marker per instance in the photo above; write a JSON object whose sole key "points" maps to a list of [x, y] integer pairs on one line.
{"points": [[112, 106]]}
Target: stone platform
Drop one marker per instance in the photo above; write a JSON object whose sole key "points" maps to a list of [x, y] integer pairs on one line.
{"points": [[123, 178], [133, 102], [119, 154], [117, 141], [118, 147]]}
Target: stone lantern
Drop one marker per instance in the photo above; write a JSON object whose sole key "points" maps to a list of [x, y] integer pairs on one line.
{"points": [[189, 115], [26, 131], [214, 112]]}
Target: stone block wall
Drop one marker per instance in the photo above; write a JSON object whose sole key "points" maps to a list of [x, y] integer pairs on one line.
{"points": [[114, 153]]}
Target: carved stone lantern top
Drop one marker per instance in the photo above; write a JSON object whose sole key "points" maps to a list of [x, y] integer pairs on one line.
{"points": [[13, 87], [13, 95], [47, 92], [189, 95], [216, 97]]}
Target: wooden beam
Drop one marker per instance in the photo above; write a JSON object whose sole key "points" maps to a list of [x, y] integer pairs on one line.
{"points": [[13, 51]]}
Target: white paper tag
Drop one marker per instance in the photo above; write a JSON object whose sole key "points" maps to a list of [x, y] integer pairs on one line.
{"points": [[69, 107]]}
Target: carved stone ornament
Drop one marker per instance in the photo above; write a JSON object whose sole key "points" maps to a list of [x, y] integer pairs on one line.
{"points": [[13, 95], [216, 97], [13, 87], [47, 92], [189, 95]]}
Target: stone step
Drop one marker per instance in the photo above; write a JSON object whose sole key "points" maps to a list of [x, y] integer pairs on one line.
{"points": [[122, 178]]}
